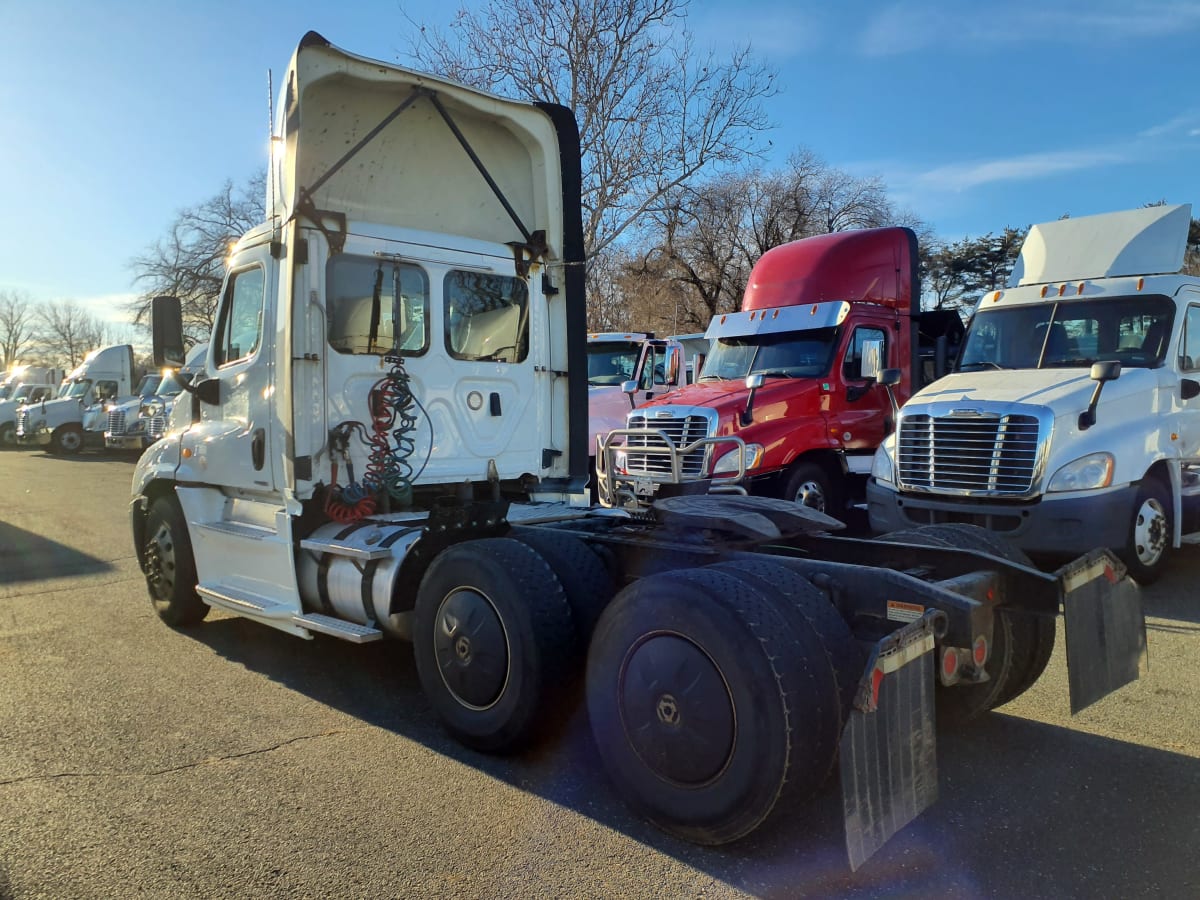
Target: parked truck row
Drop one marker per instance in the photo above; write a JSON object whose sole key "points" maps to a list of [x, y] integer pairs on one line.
{"points": [[390, 440]]}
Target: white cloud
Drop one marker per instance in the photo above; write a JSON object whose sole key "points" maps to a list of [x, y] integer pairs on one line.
{"points": [[911, 26], [1026, 167], [773, 31]]}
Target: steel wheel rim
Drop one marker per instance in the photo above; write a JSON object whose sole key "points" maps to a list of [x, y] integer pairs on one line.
{"points": [[70, 440], [811, 494], [161, 565], [1150, 532], [676, 709], [471, 648]]}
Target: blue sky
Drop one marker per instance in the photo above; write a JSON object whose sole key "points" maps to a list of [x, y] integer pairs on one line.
{"points": [[115, 115]]}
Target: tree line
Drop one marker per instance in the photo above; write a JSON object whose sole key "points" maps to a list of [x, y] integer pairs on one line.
{"points": [[677, 203]]}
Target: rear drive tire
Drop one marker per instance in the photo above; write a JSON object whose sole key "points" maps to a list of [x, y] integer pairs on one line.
{"points": [[493, 641], [586, 581], [961, 703], [1033, 636], [1148, 546], [702, 703], [169, 566]]}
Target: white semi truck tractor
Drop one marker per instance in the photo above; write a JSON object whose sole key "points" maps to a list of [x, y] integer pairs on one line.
{"points": [[390, 441]]}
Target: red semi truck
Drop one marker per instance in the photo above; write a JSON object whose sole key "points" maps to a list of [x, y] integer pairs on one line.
{"points": [[798, 388]]}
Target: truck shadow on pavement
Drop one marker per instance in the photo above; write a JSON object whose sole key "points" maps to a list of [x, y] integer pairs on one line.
{"points": [[1026, 809], [25, 556]]}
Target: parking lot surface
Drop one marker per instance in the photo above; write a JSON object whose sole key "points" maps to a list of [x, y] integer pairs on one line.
{"points": [[234, 760]]}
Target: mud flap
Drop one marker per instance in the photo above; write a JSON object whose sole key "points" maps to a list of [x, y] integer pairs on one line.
{"points": [[888, 749], [1106, 631]]}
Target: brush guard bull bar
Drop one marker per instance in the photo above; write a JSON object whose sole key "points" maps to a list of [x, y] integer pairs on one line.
{"points": [[617, 487]]}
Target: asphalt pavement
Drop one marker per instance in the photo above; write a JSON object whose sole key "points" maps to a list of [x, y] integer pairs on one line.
{"points": [[231, 760]]}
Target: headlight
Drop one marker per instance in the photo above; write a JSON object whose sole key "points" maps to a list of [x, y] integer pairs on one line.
{"points": [[728, 464], [882, 467], [1084, 474], [152, 408]]}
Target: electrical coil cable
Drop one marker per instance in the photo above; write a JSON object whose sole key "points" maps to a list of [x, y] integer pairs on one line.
{"points": [[356, 500], [392, 441]]}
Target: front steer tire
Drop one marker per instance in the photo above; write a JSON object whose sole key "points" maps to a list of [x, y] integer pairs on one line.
{"points": [[493, 640], [169, 566], [66, 440], [705, 703], [1151, 531]]}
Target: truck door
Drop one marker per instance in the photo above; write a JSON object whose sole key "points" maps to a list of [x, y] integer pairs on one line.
{"points": [[233, 448], [860, 411], [1188, 360]]}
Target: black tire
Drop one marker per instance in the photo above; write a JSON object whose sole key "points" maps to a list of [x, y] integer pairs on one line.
{"points": [[1148, 546], [811, 485], [66, 440], [8, 435], [169, 566], [587, 583], [1033, 636], [494, 642], [846, 656], [961, 703], [702, 697]]}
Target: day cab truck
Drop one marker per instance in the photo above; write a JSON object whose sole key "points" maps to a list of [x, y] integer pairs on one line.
{"points": [[792, 400], [138, 421], [75, 418], [1073, 419], [390, 441], [24, 385]]}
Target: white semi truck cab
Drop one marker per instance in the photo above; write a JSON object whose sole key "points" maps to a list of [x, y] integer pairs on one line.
{"points": [[390, 440], [75, 418], [1073, 418]]}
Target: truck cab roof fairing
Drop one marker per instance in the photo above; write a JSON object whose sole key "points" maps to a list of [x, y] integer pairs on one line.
{"points": [[411, 169], [1149, 241], [878, 265]]}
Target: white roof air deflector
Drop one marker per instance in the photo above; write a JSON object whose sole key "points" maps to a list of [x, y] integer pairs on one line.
{"points": [[1148, 241]]}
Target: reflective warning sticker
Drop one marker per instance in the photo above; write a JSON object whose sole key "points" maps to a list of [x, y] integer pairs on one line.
{"points": [[898, 611]]}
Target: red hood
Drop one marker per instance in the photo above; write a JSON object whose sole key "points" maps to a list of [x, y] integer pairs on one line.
{"points": [[778, 398]]}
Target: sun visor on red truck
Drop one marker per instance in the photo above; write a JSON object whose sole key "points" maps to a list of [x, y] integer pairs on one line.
{"points": [[877, 265], [778, 320]]}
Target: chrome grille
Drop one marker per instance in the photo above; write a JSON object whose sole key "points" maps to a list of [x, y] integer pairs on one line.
{"points": [[116, 421], [23, 421], [156, 427], [682, 430], [993, 454]]}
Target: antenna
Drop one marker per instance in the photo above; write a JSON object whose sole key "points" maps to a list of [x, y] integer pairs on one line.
{"points": [[271, 147]]}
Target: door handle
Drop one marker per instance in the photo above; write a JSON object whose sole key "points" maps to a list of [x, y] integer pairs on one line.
{"points": [[258, 448]]}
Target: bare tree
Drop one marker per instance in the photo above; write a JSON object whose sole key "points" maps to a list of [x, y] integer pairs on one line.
{"points": [[654, 114], [16, 326], [710, 236], [66, 332], [189, 260]]}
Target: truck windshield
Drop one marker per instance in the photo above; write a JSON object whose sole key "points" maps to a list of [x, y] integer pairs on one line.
{"points": [[77, 388], [611, 362], [148, 386], [1070, 334], [803, 354], [170, 385]]}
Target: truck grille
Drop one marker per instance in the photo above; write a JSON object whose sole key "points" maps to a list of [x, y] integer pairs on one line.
{"points": [[116, 422], [23, 421], [993, 454], [156, 427], [682, 430]]}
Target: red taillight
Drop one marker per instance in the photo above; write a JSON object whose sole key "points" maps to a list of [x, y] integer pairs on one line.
{"points": [[979, 653], [949, 662]]}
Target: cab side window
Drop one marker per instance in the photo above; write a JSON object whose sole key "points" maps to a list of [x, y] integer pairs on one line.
{"points": [[852, 367], [487, 317], [239, 330], [1189, 344], [377, 307], [106, 390]]}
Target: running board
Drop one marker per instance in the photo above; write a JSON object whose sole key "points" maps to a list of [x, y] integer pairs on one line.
{"points": [[338, 628], [284, 617]]}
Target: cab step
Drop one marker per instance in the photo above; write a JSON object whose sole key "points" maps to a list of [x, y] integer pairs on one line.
{"points": [[338, 628]]}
